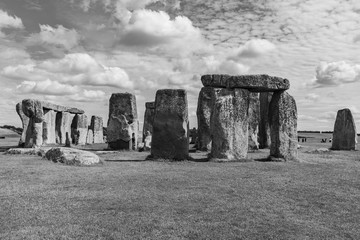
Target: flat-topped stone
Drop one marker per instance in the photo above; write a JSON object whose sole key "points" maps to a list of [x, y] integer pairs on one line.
{"points": [[60, 108], [254, 83]]}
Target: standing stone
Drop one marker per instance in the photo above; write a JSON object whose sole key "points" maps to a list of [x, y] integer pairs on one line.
{"points": [[122, 129], [344, 136], [65, 126], [229, 125], [170, 138], [283, 127], [79, 129], [49, 135], [34, 133], [253, 114], [90, 137], [67, 141], [96, 126], [148, 119], [25, 123], [264, 127], [205, 105]]}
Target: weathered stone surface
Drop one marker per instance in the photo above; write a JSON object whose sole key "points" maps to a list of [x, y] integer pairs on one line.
{"points": [[253, 115], [79, 129], [205, 105], [90, 137], [71, 156], [25, 123], [60, 108], [255, 83], [122, 129], [344, 135], [49, 136], [264, 127], [34, 133], [283, 127], [67, 141], [229, 125], [96, 126], [170, 138], [65, 126], [148, 119], [27, 151], [33, 109]]}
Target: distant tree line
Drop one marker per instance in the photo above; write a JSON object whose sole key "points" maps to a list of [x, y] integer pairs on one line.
{"points": [[18, 130]]}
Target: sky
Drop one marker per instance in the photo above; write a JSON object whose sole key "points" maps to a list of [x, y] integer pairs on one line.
{"points": [[78, 52]]}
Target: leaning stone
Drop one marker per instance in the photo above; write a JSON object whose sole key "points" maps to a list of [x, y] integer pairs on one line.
{"points": [[229, 125], [253, 115], [71, 156], [205, 105], [148, 119], [170, 138], [283, 127], [49, 135], [344, 135], [25, 123], [264, 127], [96, 126], [122, 129]]}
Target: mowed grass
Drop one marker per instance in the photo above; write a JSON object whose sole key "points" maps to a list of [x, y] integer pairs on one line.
{"points": [[317, 198]]}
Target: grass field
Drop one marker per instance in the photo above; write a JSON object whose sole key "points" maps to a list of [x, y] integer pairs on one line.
{"points": [[127, 198]]}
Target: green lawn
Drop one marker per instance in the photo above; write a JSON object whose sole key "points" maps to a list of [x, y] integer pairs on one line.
{"points": [[317, 198]]}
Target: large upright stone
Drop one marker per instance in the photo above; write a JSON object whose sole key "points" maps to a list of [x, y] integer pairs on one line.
{"points": [[229, 125], [79, 129], [148, 119], [25, 123], [344, 135], [90, 137], [253, 115], [65, 126], [283, 127], [205, 105], [170, 138], [122, 129], [96, 126], [49, 136], [34, 133], [254, 83], [264, 127]]}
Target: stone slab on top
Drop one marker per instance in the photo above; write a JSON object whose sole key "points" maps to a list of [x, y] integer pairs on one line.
{"points": [[254, 83]]}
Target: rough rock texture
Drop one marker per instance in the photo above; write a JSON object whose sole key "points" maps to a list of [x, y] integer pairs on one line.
{"points": [[344, 135], [27, 151], [49, 136], [229, 125], [96, 126], [34, 133], [205, 105], [255, 83], [283, 127], [148, 119], [60, 108], [264, 127], [90, 137], [253, 115], [122, 129], [65, 126], [71, 156], [79, 129], [33, 109], [170, 138], [25, 123]]}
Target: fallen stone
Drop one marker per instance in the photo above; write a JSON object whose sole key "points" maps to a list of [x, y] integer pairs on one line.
{"points": [[71, 156], [27, 151], [283, 127], [229, 125], [170, 138], [344, 135]]}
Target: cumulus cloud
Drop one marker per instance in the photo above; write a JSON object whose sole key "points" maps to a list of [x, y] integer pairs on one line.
{"points": [[58, 36], [223, 66], [47, 87], [336, 73], [7, 21], [255, 48], [89, 96], [75, 69]]}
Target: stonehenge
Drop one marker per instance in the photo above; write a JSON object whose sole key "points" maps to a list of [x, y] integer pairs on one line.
{"points": [[122, 128], [148, 120], [237, 112], [344, 135], [45, 123], [170, 138]]}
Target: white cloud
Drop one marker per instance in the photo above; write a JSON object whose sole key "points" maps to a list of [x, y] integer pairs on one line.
{"points": [[47, 87], [221, 66], [7, 21], [336, 73], [89, 96], [58, 36], [255, 48]]}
